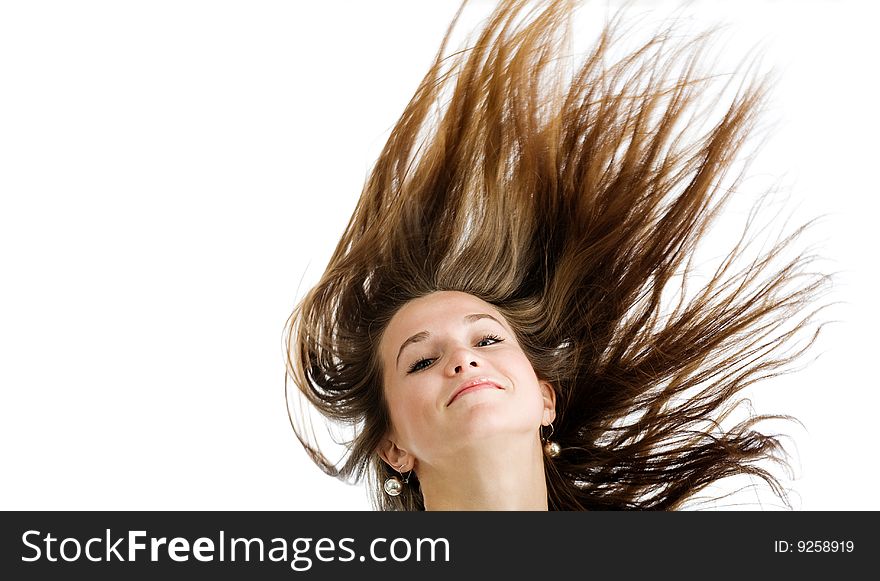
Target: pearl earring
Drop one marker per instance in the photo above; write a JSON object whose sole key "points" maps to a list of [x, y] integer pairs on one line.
{"points": [[552, 449], [393, 485]]}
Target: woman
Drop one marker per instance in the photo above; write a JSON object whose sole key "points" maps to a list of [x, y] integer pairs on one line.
{"points": [[496, 322]]}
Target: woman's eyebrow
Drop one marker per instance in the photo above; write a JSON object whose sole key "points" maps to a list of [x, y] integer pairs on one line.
{"points": [[422, 335]]}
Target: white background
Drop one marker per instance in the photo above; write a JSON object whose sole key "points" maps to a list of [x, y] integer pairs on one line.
{"points": [[172, 171]]}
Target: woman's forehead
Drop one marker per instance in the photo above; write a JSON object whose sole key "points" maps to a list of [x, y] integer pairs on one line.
{"points": [[442, 301]]}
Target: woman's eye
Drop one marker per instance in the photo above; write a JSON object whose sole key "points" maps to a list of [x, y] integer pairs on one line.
{"points": [[417, 366], [491, 338]]}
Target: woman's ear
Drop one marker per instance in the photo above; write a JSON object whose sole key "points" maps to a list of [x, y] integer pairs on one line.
{"points": [[396, 457], [548, 394]]}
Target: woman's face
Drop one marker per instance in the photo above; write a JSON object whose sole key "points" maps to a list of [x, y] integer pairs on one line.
{"points": [[433, 349]]}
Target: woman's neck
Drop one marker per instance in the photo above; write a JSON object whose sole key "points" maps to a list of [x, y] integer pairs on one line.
{"points": [[506, 475]]}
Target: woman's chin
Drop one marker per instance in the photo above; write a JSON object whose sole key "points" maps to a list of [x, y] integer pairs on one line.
{"points": [[487, 418]]}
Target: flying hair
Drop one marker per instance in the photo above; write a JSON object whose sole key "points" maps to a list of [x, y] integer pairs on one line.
{"points": [[573, 199]]}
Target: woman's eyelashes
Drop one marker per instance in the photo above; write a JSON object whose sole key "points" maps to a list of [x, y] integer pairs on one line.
{"points": [[417, 366]]}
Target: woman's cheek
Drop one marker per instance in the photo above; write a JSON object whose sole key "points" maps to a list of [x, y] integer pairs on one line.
{"points": [[411, 408]]}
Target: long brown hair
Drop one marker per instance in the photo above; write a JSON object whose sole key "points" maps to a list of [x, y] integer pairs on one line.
{"points": [[574, 205]]}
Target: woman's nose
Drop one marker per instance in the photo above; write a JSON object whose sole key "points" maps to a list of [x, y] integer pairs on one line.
{"points": [[460, 360]]}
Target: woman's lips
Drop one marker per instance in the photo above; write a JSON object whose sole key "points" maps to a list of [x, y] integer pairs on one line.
{"points": [[471, 387]]}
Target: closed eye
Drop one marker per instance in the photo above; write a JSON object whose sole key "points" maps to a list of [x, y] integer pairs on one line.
{"points": [[417, 366]]}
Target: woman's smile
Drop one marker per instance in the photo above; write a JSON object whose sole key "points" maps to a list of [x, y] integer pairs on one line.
{"points": [[472, 387]]}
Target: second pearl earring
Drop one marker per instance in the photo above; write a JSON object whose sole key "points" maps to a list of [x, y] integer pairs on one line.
{"points": [[551, 448]]}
